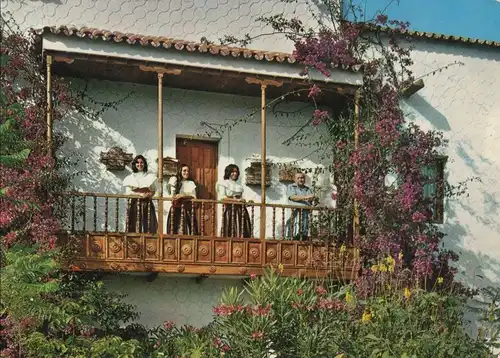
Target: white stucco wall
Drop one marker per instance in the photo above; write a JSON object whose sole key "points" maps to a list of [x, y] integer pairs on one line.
{"points": [[463, 102], [180, 299]]}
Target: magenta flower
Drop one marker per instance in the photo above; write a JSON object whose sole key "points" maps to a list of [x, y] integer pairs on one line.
{"points": [[314, 91], [319, 117], [418, 217]]}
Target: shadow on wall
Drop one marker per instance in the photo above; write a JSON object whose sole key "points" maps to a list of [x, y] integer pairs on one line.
{"points": [[473, 221], [92, 174], [482, 209], [425, 109], [475, 269]]}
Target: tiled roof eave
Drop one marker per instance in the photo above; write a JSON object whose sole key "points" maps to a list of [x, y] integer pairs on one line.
{"points": [[170, 43], [166, 42], [432, 36]]}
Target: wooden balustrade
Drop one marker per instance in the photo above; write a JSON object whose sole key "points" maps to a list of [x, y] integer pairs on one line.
{"points": [[220, 238]]}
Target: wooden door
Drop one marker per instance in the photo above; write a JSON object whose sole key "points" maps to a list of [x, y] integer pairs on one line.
{"points": [[202, 157]]}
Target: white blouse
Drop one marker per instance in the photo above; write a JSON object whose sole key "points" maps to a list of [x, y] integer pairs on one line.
{"points": [[139, 180], [229, 188], [188, 187]]}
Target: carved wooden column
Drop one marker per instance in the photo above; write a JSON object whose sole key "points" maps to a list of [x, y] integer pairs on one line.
{"points": [[263, 85], [160, 158], [50, 122], [160, 72], [355, 220]]}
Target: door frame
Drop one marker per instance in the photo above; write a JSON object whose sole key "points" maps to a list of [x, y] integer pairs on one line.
{"points": [[199, 138], [213, 141]]}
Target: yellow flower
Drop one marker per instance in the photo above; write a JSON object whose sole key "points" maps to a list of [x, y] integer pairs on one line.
{"points": [[400, 256], [382, 268], [407, 293], [387, 286], [281, 267], [349, 298], [342, 249], [440, 280], [375, 268], [390, 261], [367, 316]]}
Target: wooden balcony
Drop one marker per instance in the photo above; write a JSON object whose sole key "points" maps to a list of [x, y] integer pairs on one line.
{"points": [[98, 230]]}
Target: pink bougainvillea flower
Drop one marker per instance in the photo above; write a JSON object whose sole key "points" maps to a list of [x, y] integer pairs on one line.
{"points": [[319, 117], [314, 91]]}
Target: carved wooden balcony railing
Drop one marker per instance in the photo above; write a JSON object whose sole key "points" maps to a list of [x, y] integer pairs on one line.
{"points": [[98, 229]]}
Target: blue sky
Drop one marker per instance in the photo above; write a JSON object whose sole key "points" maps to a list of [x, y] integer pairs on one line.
{"points": [[468, 18]]}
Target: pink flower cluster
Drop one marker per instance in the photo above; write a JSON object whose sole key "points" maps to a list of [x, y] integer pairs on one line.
{"points": [[254, 310], [326, 50], [220, 345], [319, 117]]}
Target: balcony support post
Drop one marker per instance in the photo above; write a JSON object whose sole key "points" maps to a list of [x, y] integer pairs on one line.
{"points": [[160, 72], [160, 160], [263, 85], [263, 135], [355, 221], [50, 121]]}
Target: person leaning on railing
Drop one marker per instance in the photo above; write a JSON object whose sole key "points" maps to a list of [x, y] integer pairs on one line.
{"points": [[299, 194], [141, 213], [181, 217], [235, 220]]}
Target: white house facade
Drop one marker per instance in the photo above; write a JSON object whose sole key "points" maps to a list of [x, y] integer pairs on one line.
{"points": [[210, 101]]}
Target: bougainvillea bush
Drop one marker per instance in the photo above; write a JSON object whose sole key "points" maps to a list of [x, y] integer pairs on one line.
{"points": [[394, 219], [45, 312], [29, 177]]}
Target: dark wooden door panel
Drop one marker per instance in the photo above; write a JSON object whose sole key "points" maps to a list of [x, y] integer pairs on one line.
{"points": [[202, 157]]}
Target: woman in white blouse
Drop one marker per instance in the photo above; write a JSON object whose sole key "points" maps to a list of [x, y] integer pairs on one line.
{"points": [[235, 221], [141, 212], [182, 216]]}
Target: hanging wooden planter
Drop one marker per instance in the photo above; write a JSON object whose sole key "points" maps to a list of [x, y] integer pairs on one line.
{"points": [[115, 159], [252, 174], [287, 173], [170, 166]]}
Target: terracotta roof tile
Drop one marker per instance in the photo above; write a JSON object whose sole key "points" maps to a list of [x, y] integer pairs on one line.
{"points": [[435, 36]]}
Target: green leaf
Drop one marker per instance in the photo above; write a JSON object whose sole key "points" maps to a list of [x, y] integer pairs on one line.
{"points": [[12, 160], [4, 60], [3, 191], [372, 337]]}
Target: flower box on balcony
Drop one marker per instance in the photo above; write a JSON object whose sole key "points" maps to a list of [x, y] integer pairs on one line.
{"points": [[116, 159], [253, 174]]}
